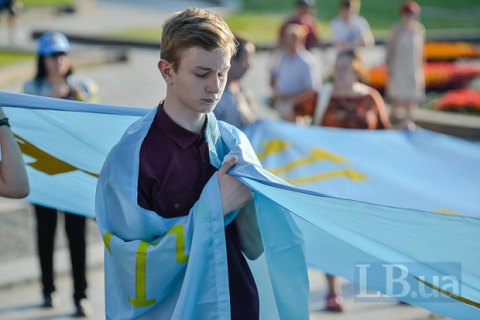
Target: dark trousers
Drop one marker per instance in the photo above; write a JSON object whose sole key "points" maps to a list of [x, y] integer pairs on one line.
{"points": [[75, 227]]}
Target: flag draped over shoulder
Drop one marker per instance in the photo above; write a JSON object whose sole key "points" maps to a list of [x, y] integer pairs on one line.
{"points": [[342, 236], [157, 268]]}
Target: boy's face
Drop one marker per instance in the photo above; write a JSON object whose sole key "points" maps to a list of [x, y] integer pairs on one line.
{"points": [[200, 78]]}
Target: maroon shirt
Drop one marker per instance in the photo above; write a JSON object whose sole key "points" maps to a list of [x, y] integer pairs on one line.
{"points": [[174, 168]]}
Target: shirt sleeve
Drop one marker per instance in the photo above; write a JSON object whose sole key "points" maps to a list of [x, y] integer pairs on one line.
{"points": [[28, 87]]}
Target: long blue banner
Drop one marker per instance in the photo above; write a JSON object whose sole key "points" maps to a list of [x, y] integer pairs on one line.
{"points": [[356, 195]]}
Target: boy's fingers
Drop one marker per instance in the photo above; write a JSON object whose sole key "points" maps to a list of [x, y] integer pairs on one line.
{"points": [[227, 165]]}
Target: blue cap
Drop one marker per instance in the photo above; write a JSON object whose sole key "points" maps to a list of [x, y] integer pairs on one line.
{"points": [[52, 42]]}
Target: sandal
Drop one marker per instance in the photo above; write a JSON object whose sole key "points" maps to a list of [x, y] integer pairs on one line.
{"points": [[334, 303]]}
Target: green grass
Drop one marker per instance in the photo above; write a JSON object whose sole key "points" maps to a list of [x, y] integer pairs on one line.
{"points": [[436, 14], [47, 3], [250, 24], [261, 19], [259, 28], [8, 58], [150, 34]]}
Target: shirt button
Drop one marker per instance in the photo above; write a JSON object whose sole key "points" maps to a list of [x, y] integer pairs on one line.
{"points": [[177, 206]]}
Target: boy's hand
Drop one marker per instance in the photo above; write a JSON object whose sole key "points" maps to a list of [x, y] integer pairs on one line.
{"points": [[234, 194]]}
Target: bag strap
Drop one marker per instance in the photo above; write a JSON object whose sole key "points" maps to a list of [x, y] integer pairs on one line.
{"points": [[322, 103]]}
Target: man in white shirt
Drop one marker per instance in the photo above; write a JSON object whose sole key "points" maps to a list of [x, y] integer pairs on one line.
{"points": [[349, 30], [294, 74]]}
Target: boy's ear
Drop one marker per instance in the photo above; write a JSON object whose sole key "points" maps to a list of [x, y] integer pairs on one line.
{"points": [[166, 69]]}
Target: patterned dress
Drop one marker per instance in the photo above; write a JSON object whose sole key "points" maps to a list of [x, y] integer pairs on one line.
{"points": [[364, 111]]}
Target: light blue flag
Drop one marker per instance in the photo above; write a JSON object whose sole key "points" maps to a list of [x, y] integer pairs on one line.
{"points": [[420, 170], [156, 268], [428, 259], [64, 151]]}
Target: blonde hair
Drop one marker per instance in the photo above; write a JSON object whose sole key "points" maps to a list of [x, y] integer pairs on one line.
{"points": [[194, 27]]}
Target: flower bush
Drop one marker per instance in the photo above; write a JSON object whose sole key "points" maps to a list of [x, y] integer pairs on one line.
{"points": [[448, 51], [459, 83], [438, 76], [464, 100]]}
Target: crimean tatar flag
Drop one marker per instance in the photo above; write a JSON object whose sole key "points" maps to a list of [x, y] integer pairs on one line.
{"points": [[375, 235]]}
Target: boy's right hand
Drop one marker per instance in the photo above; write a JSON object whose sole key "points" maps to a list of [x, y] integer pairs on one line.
{"points": [[235, 194]]}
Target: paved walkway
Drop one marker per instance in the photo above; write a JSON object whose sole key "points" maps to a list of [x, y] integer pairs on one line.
{"points": [[23, 302], [102, 17], [136, 83]]}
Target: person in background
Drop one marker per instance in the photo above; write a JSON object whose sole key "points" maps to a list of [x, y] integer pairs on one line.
{"points": [[349, 30], [236, 105], [348, 103], [12, 6], [13, 176], [404, 60], [55, 79], [302, 16], [293, 75]]}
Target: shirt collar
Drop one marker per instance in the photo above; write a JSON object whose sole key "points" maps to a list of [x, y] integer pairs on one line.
{"points": [[181, 136]]}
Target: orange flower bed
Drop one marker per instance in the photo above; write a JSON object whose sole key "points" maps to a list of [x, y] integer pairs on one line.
{"points": [[446, 51], [465, 100], [438, 76], [377, 77]]}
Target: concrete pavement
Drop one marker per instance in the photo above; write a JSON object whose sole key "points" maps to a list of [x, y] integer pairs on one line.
{"points": [[24, 302]]}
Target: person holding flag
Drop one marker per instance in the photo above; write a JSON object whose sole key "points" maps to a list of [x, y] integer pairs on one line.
{"points": [[13, 176], [178, 229]]}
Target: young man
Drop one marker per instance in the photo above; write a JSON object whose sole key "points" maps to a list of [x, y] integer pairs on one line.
{"points": [[236, 106], [176, 144], [294, 75]]}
